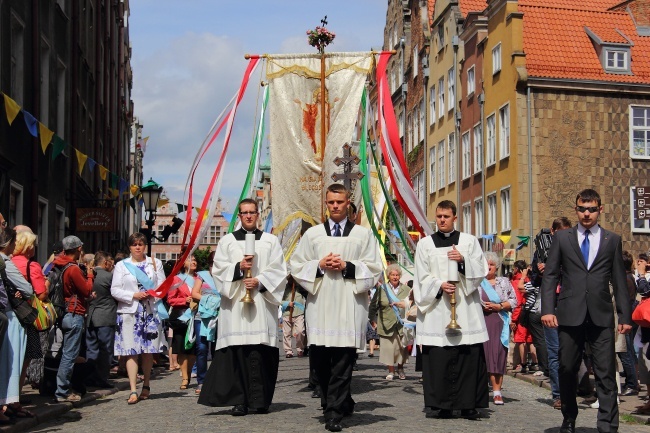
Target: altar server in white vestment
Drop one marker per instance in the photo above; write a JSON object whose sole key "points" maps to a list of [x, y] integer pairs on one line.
{"points": [[453, 363], [244, 367], [336, 263]]}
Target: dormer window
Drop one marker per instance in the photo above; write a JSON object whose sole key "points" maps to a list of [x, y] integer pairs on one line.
{"points": [[616, 60]]}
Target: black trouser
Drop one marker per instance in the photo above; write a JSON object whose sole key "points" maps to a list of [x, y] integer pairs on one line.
{"points": [[601, 343], [333, 366], [537, 331]]}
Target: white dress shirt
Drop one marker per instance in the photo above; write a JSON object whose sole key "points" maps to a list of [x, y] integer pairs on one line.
{"points": [[340, 223]]}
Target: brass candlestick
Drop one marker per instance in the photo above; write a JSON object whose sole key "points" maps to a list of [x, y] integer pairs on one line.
{"points": [[248, 299], [453, 325]]}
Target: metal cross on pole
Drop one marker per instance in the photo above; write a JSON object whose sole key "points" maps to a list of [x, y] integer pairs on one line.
{"points": [[347, 160]]}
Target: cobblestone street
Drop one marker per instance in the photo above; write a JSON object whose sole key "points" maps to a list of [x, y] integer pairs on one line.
{"points": [[381, 406]]}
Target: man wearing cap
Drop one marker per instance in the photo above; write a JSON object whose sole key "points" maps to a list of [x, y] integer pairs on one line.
{"points": [[76, 289]]}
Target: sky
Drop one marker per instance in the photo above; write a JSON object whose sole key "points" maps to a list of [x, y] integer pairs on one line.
{"points": [[188, 62]]}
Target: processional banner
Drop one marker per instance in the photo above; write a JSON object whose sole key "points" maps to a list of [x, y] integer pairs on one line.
{"points": [[301, 163]]}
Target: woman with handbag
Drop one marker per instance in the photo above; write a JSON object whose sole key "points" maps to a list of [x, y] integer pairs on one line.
{"points": [[139, 328], [497, 298], [383, 318], [15, 342], [179, 298], [23, 253]]}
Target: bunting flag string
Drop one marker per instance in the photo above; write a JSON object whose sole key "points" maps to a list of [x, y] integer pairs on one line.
{"points": [[504, 238], [47, 137]]}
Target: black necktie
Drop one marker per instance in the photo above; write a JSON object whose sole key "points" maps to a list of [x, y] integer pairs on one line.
{"points": [[337, 230]]}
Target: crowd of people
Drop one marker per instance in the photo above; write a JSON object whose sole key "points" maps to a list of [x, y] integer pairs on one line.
{"points": [[461, 315]]}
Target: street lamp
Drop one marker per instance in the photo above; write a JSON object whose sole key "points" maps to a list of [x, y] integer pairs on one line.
{"points": [[150, 194]]}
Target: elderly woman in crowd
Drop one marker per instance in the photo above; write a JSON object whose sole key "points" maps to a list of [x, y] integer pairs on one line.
{"points": [[15, 342], [498, 298], [23, 255], [383, 318], [139, 329], [179, 298]]}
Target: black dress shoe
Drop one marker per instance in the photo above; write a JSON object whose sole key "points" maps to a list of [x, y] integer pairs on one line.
{"points": [[315, 394], [239, 410], [470, 414], [568, 426], [333, 425], [263, 410], [445, 414]]}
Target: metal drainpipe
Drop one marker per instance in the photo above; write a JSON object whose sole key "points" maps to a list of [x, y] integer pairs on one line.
{"points": [[482, 105], [530, 167], [457, 152]]}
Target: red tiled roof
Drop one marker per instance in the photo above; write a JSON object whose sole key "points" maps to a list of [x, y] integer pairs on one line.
{"points": [[467, 6], [557, 45], [589, 5]]}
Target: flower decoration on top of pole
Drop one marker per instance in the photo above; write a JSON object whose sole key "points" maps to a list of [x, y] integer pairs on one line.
{"points": [[320, 37]]}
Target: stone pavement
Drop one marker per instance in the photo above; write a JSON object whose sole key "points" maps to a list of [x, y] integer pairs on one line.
{"points": [[381, 406]]}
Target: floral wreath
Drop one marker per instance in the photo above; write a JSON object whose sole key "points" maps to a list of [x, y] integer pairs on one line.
{"points": [[319, 38]]}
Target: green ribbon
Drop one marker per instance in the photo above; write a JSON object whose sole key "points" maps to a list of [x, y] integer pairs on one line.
{"points": [[248, 184]]}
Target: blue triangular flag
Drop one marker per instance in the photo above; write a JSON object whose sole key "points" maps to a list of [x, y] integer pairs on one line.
{"points": [[91, 163], [31, 122], [123, 185]]}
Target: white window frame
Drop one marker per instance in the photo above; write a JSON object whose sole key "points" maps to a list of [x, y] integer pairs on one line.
{"points": [[639, 132], [43, 229], [496, 59], [441, 36], [442, 180], [409, 133], [478, 217], [432, 105], [471, 80], [421, 188], [174, 256], [423, 117], [491, 140], [60, 211], [637, 226], [451, 173], [441, 97], [451, 88], [19, 204], [401, 124], [161, 256], [504, 131], [506, 209], [60, 98], [492, 212], [477, 135], [467, 217], [416, 60], [432, 169], [614, 65], [466, 155]]}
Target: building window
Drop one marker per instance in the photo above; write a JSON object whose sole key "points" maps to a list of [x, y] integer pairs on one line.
{"points": [[432, 105], [423, 116], [415, 127], [478, 148], [15, 204], [432, 170], [467, 156], [42, 228], [441, 97], [441, 165], [214, 235], [504, 131], [492, 213], [420, 188], [471, 83], [161, 256], [451, 85], [496, 58], [452, 158], [45, 83], [59, 223], [401, 124], [640, 131], [174, 256], [174, 238], [616, 60], [467, 218], [506, 222], [478, 217], [441, 36], [491, 140], [409, 133], [17, 60], [60, 99], [416, 61]]}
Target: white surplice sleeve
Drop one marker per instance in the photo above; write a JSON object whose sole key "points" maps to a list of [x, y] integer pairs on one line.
{"points": [[426, 282], [476, 267], [304, 264], [273, 276]]}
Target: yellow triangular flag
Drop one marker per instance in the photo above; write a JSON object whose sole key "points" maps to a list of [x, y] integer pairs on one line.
{"points": [[134, 189], [46, 136], [163, 202], [114, 192], [12, 109], [103, 171], [81, 161], [505, 238]]}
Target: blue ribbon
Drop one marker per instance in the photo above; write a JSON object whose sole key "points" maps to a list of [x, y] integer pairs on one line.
{"points": [[140, 275], [392, 299], [285, 306], [494, 297]]}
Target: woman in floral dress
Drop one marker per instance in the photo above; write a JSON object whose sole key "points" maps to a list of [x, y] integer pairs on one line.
{"points": [[139, 329]]}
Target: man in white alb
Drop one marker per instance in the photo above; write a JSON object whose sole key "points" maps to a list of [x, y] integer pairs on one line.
{"points": [[337, 263], [244, 367]]}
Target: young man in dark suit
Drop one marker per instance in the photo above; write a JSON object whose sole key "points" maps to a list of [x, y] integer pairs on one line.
{"points": [[587, 258]]}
